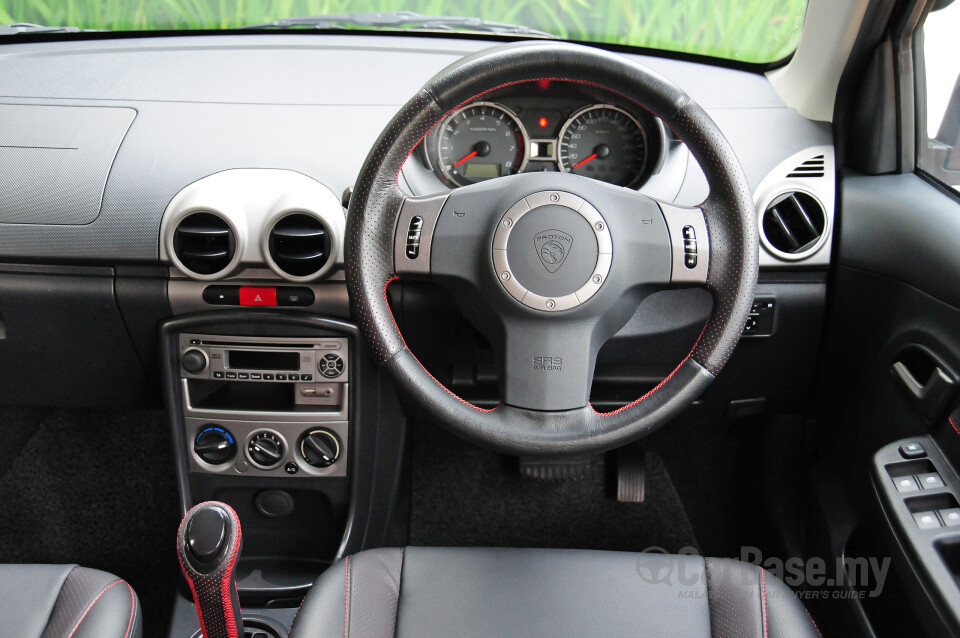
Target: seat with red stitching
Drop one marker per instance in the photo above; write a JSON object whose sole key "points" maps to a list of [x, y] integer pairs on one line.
{"points": [[513, 426]]}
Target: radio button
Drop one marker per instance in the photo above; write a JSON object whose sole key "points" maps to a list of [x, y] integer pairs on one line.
{"points": [[306, 377], [231, 375], [330, 366], [294, 377], [255, 375], [218, 374], [281, 377], [194, 361], [243, 375], [268, 377]]}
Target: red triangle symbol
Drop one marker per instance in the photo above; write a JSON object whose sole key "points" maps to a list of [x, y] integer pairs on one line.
{"points": [[257, 298]]}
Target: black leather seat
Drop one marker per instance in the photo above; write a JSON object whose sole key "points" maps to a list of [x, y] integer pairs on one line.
{"points": [[66, 601], [434, 592]]}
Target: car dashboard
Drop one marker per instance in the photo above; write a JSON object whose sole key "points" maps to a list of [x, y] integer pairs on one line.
{"points": [[172, 232]]}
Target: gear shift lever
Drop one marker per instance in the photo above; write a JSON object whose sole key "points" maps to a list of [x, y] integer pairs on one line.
{"points": [[208, 545]]}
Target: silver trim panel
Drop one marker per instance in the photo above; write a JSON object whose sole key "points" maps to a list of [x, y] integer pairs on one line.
{"points": [[428, 209], [677, 218]]}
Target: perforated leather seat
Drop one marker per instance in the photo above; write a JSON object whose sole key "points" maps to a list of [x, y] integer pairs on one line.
{"points": [[432, 592], [66, 601]]}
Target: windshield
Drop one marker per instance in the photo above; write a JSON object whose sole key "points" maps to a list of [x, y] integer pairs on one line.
{"points": [[755, 31]]}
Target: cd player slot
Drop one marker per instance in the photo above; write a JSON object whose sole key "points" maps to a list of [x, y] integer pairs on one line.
{"points": [[248, 344]]}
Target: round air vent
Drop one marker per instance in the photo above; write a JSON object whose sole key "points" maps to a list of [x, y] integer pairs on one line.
{"points": [[204, 245], [793, 225], [299, 246]]}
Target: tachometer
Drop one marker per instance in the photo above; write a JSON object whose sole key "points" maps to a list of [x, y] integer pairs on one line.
{"points": [[481, 141], [604, 142]]}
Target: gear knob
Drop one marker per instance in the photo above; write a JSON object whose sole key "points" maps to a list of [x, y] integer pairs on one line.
{"points": [[208, 545]]}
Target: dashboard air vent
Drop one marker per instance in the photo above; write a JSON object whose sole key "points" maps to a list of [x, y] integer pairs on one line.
{"points": [[204, 243], [813, 167], [794, 223], [299, 245]]}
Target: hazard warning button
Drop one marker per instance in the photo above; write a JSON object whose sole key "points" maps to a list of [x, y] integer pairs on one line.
{"points": [[253, 296]]}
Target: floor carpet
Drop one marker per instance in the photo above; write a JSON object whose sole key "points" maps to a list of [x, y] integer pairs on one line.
{"points": [[96, 488], [462, 495]]}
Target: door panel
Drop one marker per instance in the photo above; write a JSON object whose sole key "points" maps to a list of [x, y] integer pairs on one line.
{"points": [[889, 373]]}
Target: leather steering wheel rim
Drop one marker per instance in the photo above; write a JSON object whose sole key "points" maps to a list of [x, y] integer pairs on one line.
{"points": [[728, 212]]}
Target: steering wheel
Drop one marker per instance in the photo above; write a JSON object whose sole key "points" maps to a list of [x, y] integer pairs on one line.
{"points": [[549, 266]]}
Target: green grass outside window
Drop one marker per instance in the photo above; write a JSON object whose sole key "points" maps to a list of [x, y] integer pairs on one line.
{"points": [[757, 31]]}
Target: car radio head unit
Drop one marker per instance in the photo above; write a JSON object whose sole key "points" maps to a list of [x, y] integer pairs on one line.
{"points": [[274, 359]]}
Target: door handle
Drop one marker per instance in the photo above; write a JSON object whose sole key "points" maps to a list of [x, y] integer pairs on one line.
{"points": [[930, 397]]}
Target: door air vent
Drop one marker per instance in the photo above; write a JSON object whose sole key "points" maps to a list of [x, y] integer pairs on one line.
{"points": [[813, 167], [793, 225], [204, 244], [299, 246]]}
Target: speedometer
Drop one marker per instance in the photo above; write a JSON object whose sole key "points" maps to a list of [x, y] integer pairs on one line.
{"points": [[480, 141], [604, 142]]}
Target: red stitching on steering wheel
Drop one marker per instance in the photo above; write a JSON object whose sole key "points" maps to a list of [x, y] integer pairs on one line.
{"points": [[395, 277]]}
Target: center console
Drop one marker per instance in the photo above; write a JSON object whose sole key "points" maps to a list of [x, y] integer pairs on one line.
{"points": [[284, 417], [266, 406]]}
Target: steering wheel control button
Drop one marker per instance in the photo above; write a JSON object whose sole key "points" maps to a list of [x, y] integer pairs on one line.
{"points": [[265, 449], [689, 242], [906, 484], [552, 251], [689, 247], [320, 447], [330, 365], [413, 237], [912, 450]]}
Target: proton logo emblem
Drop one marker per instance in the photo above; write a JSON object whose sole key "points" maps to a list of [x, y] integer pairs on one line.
{"points": [[552, 247]]}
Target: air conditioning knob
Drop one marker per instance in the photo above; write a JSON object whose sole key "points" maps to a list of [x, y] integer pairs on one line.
{"points": [[215, 445], [265, 449], [194, 361], [320, 447]]}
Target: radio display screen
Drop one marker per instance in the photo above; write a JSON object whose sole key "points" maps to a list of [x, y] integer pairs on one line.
{"points": [[260, 360]]}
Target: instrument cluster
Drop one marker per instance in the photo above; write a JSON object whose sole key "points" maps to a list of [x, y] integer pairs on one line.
{"points": [[591, 136]]}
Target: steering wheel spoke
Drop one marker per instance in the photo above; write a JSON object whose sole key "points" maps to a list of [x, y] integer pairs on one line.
{"points": [[548, 364]]}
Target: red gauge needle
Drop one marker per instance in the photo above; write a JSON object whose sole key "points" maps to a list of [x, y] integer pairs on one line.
{"points": [[471, 155], [578, 164]]}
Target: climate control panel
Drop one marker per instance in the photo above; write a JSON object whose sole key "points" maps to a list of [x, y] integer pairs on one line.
{"points": [[245, 448]]}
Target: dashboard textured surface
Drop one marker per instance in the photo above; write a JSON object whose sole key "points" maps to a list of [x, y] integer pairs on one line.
{"points": [[309, 103]]}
